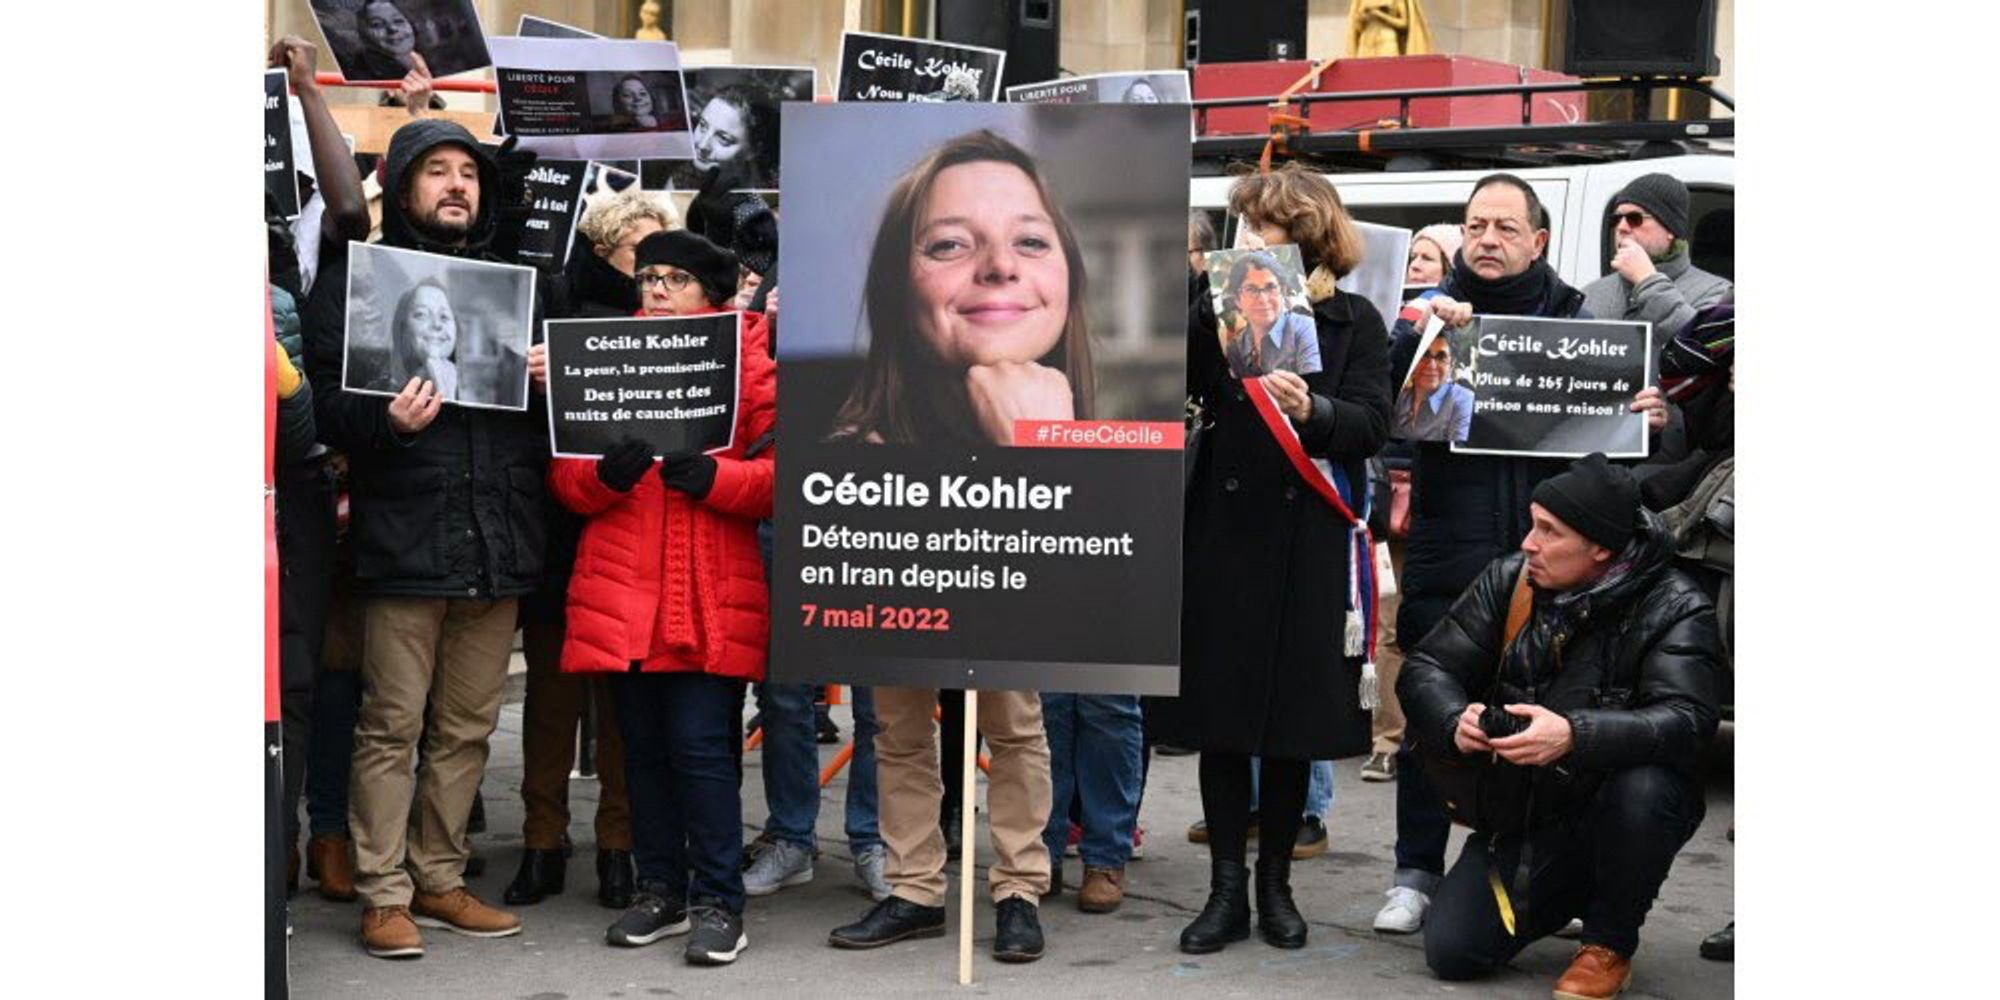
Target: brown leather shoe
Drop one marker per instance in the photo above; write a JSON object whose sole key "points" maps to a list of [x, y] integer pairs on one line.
{"points": [[388, 932], [459, 910], [1103, 889], [329, 863], [1596, 973]]}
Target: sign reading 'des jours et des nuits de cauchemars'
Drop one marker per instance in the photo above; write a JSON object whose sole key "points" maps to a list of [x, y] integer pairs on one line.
{"points": [[669, 381]]}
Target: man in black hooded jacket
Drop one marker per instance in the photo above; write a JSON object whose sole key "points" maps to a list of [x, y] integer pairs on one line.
{"points": [[448, 524], [1602, 659]]}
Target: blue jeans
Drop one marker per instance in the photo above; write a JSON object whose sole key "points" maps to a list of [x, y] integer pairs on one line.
{"points": [[791, 766], [682, 769], [1319, 793], [330, 751], [1094, 759]]}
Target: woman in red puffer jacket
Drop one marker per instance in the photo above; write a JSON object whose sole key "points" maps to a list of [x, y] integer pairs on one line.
{"points": [[668, 595]]}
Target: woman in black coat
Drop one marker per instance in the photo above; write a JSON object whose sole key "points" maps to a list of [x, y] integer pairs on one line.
{"points": [[1266, 562]]}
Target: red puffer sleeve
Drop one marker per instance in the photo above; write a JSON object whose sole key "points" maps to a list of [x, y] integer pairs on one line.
{"points": [[743, 486]]}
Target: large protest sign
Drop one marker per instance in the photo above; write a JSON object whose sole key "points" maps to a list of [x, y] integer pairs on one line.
{"points": [[372, 39], [892, 68], [669, 381], [980, 480], [280, 177], [464, 325], [592, 98], [1106, 88], [555, 197], [1549, 387]]}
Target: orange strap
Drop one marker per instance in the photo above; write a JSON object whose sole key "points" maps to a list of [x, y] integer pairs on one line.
{"points": [[1519, 606]]}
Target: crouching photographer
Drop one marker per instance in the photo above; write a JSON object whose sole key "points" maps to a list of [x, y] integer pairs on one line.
{"points": [[1561, 708]]}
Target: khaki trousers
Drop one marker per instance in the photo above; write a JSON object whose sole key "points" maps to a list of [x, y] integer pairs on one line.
{"points": [[549, 717], [1388, 722], [431, 668], [911, 791]]}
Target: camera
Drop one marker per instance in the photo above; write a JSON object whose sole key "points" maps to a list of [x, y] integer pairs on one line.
{"points": [[1497, 722]]}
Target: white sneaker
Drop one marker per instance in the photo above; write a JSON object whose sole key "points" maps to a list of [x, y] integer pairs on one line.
{"points": [[783, 863], [868, 871], [1404, 912]]}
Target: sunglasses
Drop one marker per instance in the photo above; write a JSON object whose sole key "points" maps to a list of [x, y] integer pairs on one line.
{"points": [[1632, 220]]}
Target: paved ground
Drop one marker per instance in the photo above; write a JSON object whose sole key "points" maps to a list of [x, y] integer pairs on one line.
{"points": [[561, 954]]}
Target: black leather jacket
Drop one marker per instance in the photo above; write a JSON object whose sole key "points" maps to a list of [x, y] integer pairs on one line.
{"points": [[1633, 664]]}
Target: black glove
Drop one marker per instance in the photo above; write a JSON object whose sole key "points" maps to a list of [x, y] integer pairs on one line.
{"points": [[691, 473], [625, 464], [712, 213]]}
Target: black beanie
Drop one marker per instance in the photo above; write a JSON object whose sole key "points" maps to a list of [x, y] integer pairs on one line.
{"points": [[1665, 197], [711, 265], [1597, 499]]}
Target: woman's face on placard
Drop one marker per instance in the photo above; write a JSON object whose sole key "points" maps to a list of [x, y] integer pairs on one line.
{"points": [[718, 134], [1141, 92], [1260, 298], [632, 98], [988, 276], [1433, 366], [385, 29], [431, 324], [1426, 264]]}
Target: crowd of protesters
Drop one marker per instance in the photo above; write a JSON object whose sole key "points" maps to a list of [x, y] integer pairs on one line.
{"points": [[1553, 643]]}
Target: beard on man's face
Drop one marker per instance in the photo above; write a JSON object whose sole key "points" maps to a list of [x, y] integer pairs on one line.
{"points": [[439, 230]]}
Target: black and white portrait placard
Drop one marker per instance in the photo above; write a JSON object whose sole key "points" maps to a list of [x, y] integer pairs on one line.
{"points": [[280, 178], [593, 98], [463, 325], [1557, 388], [669, 381], [893, 68], [555, 196], [372, 39], [735, 112]]}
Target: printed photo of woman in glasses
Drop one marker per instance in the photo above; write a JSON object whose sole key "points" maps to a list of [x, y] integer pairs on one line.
{"points": [[1433, 405], [1261, 311]]}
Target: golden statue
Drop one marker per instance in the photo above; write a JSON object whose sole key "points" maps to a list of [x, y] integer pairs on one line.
{"points": [[1387, 28], [649, 23]]}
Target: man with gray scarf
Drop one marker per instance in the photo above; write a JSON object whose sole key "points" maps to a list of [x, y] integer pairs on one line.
{"points": [[1652, 278]]}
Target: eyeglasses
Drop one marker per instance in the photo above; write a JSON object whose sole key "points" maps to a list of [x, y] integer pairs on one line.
{"points": [[1632, 220], [675, 280], [1438, 357], [1271, 290]]}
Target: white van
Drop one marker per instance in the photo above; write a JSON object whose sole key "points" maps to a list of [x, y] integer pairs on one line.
{"points": [[1578, 199]]}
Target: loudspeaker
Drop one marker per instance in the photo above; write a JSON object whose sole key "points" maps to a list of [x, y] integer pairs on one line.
{"points": [[1244, 32], [1640, 38], [1030, 31]]}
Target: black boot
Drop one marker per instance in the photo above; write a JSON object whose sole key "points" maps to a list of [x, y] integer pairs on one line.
{"points": [[1277, 919], [540, 876], [615, 879], [1226, 917]]}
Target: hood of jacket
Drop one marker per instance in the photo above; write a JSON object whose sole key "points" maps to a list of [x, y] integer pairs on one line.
{"points": [[406, 149]]}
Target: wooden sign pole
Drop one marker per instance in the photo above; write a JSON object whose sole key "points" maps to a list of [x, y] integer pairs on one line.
{"points": [[968, 768]]}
